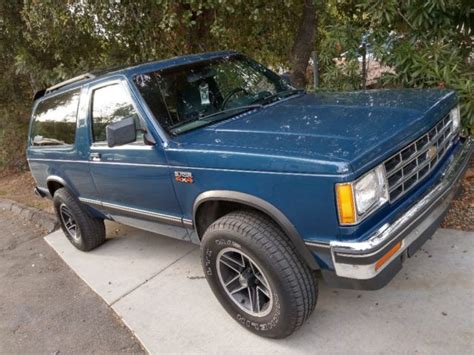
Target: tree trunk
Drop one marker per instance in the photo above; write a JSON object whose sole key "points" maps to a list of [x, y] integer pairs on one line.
{"points": [[303, 44], [199, 34]]}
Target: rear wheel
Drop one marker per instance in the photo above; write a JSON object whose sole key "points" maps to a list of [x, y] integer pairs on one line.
{"points": [[256, 274], [83, 231]]}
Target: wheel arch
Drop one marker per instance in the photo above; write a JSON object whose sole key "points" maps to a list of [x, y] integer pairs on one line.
{"points": [[54, 182], [256, 203]]}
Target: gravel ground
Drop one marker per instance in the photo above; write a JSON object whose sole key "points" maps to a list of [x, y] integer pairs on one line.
{"points": [[44, 306]]}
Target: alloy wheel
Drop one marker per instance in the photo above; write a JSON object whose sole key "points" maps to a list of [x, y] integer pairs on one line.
{"points": [[68, 221], [244, 282]]}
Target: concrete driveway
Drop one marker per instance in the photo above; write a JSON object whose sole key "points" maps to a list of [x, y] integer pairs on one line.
{"points": [[156, 285]]}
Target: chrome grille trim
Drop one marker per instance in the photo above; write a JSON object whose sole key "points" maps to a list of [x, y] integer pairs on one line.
{"points": [[412, 163]]}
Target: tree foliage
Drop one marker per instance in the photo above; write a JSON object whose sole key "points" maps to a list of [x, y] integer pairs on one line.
{"points": [[427, 43], [430, 45]]}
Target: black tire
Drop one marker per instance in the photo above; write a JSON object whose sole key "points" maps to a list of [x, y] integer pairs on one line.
{"points": [[292, 284], [89, 232]]}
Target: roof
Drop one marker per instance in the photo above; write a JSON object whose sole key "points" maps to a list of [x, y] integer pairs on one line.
{"points": [[102, 73]]}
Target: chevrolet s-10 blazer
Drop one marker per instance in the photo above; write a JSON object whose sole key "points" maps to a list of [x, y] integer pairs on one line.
{"points": [[275, 184]]}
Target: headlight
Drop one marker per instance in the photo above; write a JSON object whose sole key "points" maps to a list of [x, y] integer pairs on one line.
{"points": [[356, 200], [455, 117], [370, 190]]}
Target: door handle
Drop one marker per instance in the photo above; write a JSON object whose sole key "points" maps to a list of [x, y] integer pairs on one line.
{"points": [[94, 156]]}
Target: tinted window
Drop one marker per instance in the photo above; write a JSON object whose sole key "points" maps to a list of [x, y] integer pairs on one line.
{"points": [[110, 104], [54, 120]]}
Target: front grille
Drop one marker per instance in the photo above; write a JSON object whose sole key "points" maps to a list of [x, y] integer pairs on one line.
{"points": [[418, 159]]}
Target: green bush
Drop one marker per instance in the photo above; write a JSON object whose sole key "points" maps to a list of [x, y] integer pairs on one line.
{"points": [[434, 65], [13, 137]]}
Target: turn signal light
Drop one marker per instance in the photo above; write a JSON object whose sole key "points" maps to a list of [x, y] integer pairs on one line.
{"points": [[387, 256], [345, 204]]}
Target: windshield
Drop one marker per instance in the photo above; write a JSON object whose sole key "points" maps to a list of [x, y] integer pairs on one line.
{"points": [[191, 96]]}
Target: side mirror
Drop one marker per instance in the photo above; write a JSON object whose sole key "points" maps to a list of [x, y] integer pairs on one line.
{"points": [[122, 132]]}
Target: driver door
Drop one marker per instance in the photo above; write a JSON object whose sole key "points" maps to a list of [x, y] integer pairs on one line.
{"points": [[133, 180]]}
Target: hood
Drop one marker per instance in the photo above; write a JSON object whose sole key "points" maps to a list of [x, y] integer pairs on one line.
{"points": [[321, 133]]}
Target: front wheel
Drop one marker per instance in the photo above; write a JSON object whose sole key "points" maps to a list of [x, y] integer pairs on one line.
{"points": [[256, 274]]}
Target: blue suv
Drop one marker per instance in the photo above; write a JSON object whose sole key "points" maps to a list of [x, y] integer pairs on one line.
{"points": [[274, 183]]}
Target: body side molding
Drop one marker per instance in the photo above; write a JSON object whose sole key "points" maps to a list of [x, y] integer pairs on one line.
{"points": [[265, 207], [154, 216]]}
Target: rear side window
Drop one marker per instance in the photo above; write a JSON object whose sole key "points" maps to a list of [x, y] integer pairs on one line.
{"points": [[111, 104], [54, 120]]}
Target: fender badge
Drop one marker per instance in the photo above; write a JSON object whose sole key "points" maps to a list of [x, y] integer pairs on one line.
{"points": [[431, 152], [183, 176]]}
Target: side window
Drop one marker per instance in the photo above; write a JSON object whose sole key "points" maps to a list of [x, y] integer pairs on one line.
{"points": [[111, 104], [54, 120]]}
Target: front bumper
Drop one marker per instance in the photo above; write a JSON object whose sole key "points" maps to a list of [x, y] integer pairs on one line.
{"points": [[358, 264]]}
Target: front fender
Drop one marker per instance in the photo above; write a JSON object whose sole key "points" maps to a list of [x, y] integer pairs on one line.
{"points": [[265, 207]]}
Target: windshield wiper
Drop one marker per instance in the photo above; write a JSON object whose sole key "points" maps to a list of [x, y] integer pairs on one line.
{"points": [[280, 95], [231, 109], [206, 118]]}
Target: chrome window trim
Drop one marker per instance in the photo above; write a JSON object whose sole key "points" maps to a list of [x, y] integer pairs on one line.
{"points": [[104, 146]]}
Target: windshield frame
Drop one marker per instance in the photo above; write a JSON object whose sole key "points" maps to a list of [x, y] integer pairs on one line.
{"points": [[282, 85]]}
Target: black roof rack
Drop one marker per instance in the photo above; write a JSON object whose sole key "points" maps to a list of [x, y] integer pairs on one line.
{"points": [[70, 81]]}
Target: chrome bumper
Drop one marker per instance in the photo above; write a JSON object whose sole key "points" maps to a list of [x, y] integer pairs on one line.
{"points": [[357, 260]]}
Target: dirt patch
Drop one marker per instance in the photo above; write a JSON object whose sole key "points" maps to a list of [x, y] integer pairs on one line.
{"points": [[19, 188], [461, 213]]}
